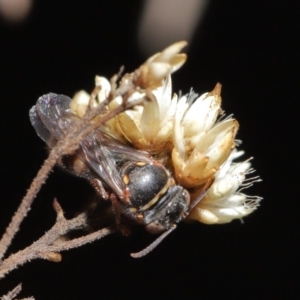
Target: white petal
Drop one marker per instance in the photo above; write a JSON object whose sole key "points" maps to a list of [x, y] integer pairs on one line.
{"points": [[224, 187], [105, 87], [167, 54], [201, 115], [159, 70], [80, 103], [163, 96], [178, 131], [150, 120]]}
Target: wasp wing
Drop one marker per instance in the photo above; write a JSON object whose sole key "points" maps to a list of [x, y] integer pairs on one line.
{"points": [[104, 155], [51, 117]]}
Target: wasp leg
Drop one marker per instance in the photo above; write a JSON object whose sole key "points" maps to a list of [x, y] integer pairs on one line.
{"points": [[117, 210], [97, 184]]}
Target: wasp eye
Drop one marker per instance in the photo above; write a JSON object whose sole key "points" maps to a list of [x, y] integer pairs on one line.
{"points": [[145, 182]]}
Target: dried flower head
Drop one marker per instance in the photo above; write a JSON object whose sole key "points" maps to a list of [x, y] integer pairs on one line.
{"points": [[189, 135]]}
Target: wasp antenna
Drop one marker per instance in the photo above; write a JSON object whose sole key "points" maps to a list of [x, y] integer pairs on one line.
{"points": [[154, 244], [202, 193]]}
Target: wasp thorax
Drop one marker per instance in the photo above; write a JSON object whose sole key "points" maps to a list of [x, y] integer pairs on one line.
{"points": [[145, 183]]}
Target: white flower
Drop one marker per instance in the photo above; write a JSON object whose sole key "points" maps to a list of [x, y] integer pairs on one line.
{"points": [[152, 73], [224, 201], [201, 146], [185, 134], [150, 127]]}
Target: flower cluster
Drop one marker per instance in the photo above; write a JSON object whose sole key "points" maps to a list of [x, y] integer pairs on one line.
{"points": [[189, 134]]}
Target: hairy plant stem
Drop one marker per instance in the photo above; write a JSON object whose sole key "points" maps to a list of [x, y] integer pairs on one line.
{"points": [[49, 245]]}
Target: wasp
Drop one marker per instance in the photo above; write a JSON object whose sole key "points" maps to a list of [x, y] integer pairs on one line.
{"points": [[140, 188]]}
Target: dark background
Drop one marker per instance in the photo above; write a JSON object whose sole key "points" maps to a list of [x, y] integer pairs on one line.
{"points": [[252, 48]]}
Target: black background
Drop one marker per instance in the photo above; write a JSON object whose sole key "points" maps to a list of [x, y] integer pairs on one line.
{"points": [[252, 48]]}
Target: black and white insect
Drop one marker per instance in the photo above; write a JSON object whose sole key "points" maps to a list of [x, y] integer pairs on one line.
{"points": [[140, 187]]}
